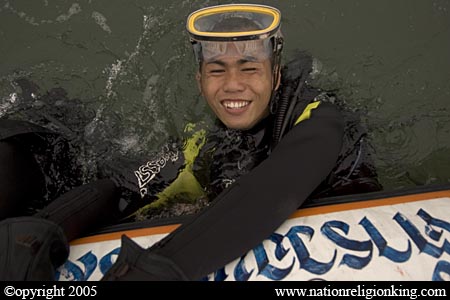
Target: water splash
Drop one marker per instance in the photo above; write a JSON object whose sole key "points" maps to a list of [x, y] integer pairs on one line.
{"points": [[128, 135], [116, 68], [114, 71], [7, 104]]}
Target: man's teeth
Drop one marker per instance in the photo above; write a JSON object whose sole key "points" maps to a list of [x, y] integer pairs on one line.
{"points": [[236, 104]]}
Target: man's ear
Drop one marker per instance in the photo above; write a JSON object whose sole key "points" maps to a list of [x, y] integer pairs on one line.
{"points": [[198, 77]]}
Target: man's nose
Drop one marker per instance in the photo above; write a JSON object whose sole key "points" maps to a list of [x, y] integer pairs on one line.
{"points": [[233, 82]]}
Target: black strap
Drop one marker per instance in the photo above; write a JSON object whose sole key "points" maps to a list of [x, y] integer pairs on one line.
{"points": [[135, 264]]}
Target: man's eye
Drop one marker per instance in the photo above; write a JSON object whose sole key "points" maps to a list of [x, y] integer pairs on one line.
{"points": [[249, 70], [216, 71]]}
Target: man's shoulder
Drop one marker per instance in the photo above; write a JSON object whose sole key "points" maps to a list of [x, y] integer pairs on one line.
{"points": [[318, 107], [12, 127]]}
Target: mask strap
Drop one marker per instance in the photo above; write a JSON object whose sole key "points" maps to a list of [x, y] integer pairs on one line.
{"points": [[276, 62]]}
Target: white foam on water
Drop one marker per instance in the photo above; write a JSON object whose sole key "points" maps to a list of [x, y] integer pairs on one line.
{"points": [[114, 71], [101, 21], [20, 14], [147, 24], [74, 9]]}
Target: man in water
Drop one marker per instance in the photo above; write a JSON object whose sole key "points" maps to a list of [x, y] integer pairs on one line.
{"points": [[277, 143]]}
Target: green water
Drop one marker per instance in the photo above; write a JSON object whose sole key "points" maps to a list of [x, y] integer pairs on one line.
{"points": [[130, 64]]}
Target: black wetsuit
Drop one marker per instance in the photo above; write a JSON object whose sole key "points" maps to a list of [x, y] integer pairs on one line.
{"points": [[242, 207]]}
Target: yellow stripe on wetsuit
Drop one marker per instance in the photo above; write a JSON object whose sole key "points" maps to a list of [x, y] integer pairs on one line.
{"points": [[306, 114]]}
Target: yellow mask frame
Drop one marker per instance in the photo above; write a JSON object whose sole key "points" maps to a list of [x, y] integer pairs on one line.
{"points": [[200, 24]]}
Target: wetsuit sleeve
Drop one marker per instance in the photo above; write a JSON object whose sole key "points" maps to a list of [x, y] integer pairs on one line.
{"points": [[258, 203], [150, 187]]}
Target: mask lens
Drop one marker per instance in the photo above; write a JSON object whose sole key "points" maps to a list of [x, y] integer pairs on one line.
{"points": [[258, 50]]}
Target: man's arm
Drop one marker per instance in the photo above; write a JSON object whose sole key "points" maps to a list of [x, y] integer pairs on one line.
{"points": [[254, 207]]}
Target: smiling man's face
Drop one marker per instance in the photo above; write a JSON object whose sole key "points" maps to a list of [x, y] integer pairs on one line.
{"points": [[237, 87]]}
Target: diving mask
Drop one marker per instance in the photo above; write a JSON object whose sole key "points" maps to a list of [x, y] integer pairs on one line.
{"points": [[253, 31]]}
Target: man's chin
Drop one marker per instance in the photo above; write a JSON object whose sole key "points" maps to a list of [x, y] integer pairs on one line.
{"points": [[238, 125]]}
